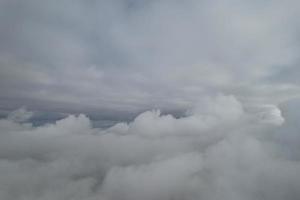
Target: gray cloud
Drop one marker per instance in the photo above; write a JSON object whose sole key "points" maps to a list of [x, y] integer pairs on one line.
{"points": [[219, 151], [137, 55], [207, 92]]}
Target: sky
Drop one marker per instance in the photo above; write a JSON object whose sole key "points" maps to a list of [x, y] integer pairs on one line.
{"points": [[128, 56], [149, 99]]}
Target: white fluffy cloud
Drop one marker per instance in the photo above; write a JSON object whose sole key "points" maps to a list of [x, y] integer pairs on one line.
{"points": [[219, 150]]}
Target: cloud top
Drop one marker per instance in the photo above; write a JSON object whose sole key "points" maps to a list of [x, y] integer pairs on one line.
{"points": [[203, 155]]}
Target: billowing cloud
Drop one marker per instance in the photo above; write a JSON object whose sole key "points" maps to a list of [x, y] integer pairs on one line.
{"points": [[180, 100], [219, 150]]}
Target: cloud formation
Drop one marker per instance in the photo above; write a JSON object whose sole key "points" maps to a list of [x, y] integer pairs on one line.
{"points": [[217, 151], [131, 56], [207, 91]]}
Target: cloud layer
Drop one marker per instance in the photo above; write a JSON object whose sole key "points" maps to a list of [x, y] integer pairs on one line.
{"points": [[227, 71], [131, 56], [218, 150]]}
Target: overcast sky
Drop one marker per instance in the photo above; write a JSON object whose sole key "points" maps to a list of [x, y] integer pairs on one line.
{"points": [[127, 56], [149, 100]]}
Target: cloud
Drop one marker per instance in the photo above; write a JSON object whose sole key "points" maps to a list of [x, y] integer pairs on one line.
{"points": [[203, 155], [20, 115], [132, 56], [212, 86]]}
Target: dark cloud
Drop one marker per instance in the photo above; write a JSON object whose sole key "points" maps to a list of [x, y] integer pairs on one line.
{"points": [[135, 55]]}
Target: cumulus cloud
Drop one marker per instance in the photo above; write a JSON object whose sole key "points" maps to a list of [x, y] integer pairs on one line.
{"points": [[216, 151], [206, 91]]}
